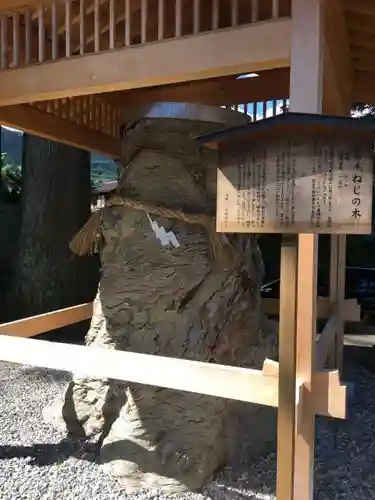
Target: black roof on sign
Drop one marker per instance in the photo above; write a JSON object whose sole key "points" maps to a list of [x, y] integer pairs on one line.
{"points": [[302, 119]]}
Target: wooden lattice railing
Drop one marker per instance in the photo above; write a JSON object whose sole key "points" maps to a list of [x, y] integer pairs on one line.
{"points": [[90, 111], [72, 28], [88, 122], [264, 109]]}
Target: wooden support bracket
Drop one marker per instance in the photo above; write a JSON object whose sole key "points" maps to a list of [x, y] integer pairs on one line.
{"points": [[329, 394]]}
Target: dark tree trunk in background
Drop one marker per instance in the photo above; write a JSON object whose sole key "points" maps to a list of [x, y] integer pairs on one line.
{"points": [[56, 202]]}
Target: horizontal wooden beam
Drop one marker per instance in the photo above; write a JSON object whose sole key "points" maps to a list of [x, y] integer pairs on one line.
{"points": [[364, 92], [362, 7], [362, 39], [352, 311], [211, 379], [241, 384], [362, 54], [12, 5], [360, 24], [46, 125], [364, 88], [366, 66], [29, 327], [35, 325], [359, 340], [255, 47], [269, 85]]}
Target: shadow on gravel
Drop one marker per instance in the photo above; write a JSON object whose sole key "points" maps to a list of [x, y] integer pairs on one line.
{"points": [[41, 455], [51, 376]]}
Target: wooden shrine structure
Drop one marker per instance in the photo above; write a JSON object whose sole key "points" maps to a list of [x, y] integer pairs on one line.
{"points": [[67, 70]]}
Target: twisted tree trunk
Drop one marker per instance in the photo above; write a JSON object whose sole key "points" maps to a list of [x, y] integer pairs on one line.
{"points": [[177, 299]]}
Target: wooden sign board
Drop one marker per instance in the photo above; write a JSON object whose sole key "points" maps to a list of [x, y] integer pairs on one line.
{"points": [[296, 185]]}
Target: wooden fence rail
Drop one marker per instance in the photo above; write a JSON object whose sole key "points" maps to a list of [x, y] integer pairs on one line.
{"points": [[241, 384], [351, 309], [42, 323]]}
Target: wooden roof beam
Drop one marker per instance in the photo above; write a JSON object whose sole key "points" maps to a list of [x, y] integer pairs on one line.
{"points": [[363, 54], [365, 41], [364, 66], [13, 5], [363, 7], [34, 121], [225, 52], [364, 89], [338, 74], [269, 85], [360, 24]]}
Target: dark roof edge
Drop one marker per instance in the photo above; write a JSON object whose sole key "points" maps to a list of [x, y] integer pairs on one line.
{"points": [[364, 123]]}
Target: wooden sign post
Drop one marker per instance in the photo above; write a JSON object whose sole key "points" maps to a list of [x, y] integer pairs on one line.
{"points": [[291, 174]]}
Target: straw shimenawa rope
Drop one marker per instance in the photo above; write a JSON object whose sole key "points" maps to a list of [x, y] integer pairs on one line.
{"points": [[85, 242]]}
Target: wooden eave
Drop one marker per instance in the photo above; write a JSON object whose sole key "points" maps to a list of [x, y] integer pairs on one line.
{"points": [[289, 125], [67, 68], [82, 65], [360, 23]]}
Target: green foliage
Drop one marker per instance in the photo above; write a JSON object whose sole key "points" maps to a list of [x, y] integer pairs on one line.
{"points": [[102, 172], [11, 179]]}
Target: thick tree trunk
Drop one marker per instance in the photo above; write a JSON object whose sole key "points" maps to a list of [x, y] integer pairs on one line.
{"points": [[181, 300], [56, 200]]}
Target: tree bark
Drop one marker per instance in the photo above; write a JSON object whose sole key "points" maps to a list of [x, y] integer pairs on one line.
{"points": [[183, 301], [56, 200]]}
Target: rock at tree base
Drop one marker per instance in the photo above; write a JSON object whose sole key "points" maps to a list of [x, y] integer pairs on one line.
{"points": [[163, 291]]}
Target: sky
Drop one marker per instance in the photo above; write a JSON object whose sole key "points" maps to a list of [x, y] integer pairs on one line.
{"points": [[260, 110]]}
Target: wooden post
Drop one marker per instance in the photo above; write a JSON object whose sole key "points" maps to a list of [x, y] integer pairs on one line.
{"points": [[338, 82], [306, 333], [337, 295], [333, 276], [287, 368], [306, 80], [306, 95], [340, 300]]}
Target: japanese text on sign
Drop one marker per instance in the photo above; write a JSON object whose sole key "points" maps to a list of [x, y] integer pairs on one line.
{"points": [[296, 186]]}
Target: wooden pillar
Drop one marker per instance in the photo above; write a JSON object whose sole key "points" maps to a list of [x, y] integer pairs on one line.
{"points": [[337, 295], [306, 88], [338, 81], [306, 95], [287, 368]]}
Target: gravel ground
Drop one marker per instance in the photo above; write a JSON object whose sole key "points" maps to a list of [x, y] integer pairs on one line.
{"points": [[38, 463]]}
